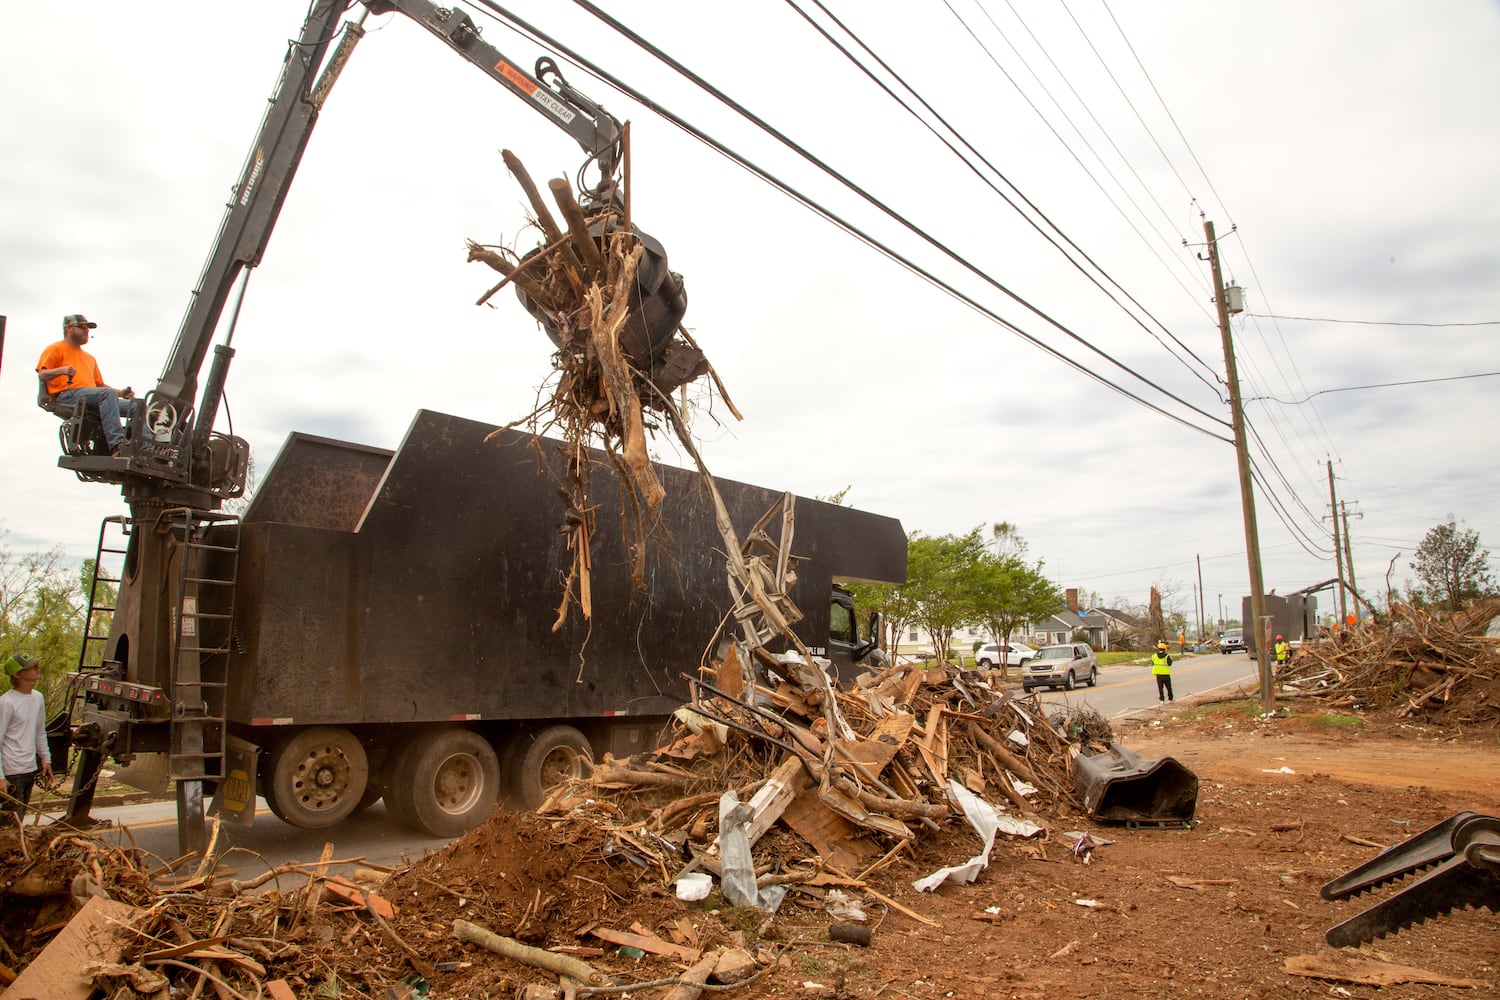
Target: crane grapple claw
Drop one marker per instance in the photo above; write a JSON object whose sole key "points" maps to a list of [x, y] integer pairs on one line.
{"points": [[1463, 853]]}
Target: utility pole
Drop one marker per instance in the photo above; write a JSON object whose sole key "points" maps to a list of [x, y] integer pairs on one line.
{"points": [[1201, 616], [1247, 488], [1338, 548], [1349, 558]]}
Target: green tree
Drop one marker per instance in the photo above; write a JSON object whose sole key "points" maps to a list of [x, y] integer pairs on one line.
{"points": [[1010, 593], [941, 574], [894, 606], [1452, 568], [42, 608]]}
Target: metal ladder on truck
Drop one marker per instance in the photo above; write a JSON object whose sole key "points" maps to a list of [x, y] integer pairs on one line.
{"points": [[104, 591], [202, 637], [104, 595]]}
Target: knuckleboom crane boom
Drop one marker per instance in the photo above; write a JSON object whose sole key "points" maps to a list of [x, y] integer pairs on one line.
{"points": [[153, 692]]}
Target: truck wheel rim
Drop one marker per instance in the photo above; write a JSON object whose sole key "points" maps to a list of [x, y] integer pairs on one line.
{"points": [[458, 783], [320, 780], [559, 766]]}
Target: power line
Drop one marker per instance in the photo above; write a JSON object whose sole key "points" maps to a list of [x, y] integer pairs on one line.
{"points": [[869, 240], [1128, 102], [1375, 385], [1370, 322], [1170, 117], [998, 173]]}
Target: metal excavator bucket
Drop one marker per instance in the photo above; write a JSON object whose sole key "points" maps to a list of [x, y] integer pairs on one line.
{"points": [[1463, 853], [1119, 787], [658, 302]]}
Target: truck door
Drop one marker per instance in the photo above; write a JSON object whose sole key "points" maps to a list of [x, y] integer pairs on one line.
{"points": [[849, 651]]}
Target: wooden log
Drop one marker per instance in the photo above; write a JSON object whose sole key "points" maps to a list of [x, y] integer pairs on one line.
{"points": [[578, 227], [1012, 763], [891, 807], [690, 981], [615, 371], [562, 965], [544, 218], [518, 275], [606, 774], [1009, 790]]}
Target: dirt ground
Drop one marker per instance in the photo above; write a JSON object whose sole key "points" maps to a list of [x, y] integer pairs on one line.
{"points": [[1216, 910]]}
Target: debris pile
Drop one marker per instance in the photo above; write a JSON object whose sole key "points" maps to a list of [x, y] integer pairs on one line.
{"points": [[1415, 662], [855, 775], [593, 889]]}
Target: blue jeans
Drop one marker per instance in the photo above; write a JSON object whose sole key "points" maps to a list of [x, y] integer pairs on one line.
{"points": [[110, 406], [19, 794]]}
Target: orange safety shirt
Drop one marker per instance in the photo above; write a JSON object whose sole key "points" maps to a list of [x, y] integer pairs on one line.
{"points": [[63, 354]]}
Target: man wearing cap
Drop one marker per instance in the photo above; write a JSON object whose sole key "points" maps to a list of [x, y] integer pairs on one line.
{"points": [[1161, 669], [24, 755], [72, 374]]}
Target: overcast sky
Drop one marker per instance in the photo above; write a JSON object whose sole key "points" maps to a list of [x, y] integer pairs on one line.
{"points": [[1346, 152]]}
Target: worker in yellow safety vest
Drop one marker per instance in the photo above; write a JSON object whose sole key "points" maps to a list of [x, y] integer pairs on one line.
{"points": [[1161, 667], [1283, 651]]}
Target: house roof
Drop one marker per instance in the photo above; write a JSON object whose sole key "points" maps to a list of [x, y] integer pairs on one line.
{"points": [[1068, 621]]}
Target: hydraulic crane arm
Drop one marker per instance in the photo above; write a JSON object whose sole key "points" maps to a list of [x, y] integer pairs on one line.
{"points": [[177, 452]]}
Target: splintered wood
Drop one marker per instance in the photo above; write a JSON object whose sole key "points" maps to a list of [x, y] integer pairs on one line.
{"points": [[852, 774], [1413, 661], [611, 307]]}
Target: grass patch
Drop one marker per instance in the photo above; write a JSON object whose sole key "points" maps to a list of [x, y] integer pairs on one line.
{"points": [[812, 965], [1334, 721], [1116, 656], [1238, 711]]}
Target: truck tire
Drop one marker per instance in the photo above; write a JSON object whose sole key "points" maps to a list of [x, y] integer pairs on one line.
{"points": [[1093, 677], [1068, 682], [555, 755], [444, 782], [316, 778]]}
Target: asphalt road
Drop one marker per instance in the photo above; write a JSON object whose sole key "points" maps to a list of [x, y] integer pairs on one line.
{"points": [[369, 838], [1124, 690]]}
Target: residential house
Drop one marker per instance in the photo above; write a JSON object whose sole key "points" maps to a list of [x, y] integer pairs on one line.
{"points": [[1096, 625]]}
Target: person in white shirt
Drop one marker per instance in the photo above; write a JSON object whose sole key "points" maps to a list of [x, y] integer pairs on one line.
{"points": [[24, 755]]}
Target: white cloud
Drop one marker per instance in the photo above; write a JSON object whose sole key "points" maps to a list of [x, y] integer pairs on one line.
{"points": [[1353, 143]]}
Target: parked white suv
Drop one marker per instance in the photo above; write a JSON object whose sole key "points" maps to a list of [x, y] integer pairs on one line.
{"points": [[1062, 666], [1017, 654]]}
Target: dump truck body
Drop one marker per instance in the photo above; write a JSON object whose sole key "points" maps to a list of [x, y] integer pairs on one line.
{"points": [[382, 597]]}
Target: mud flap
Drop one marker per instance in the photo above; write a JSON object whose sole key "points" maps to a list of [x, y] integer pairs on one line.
{"points": [[1119, 787], [234, 799]]}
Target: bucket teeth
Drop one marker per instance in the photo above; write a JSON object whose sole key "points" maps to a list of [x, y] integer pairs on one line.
{"points": [[1465, 850], [1431, 847]]}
